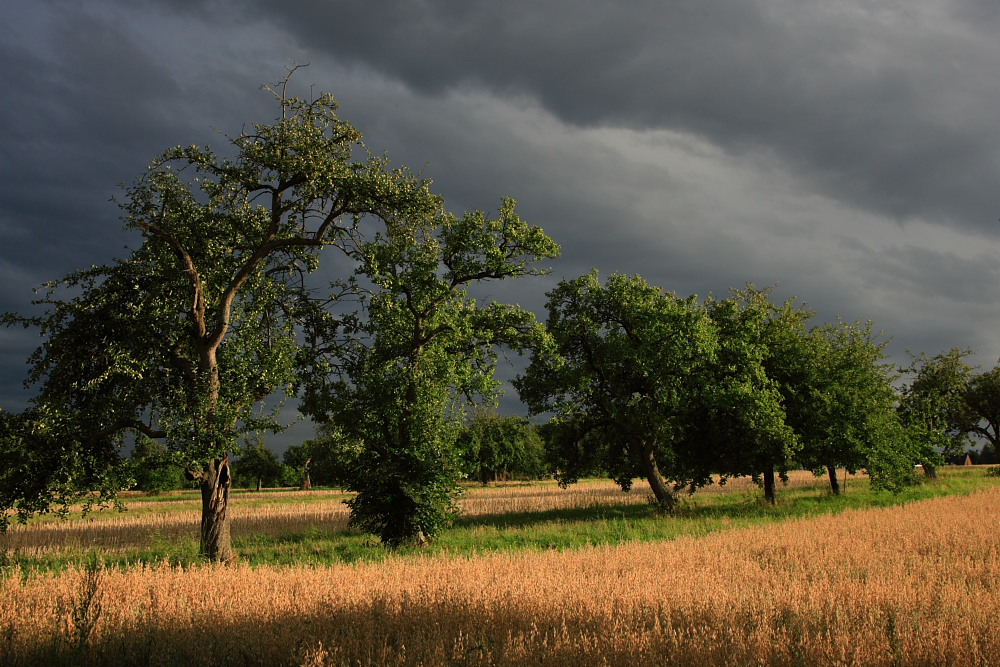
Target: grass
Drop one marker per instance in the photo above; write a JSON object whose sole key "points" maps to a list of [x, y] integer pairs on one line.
{"points": [[912, 584], [288, 528]]}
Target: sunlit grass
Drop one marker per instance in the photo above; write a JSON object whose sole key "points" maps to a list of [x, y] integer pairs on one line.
{"points": [[291, 527]]}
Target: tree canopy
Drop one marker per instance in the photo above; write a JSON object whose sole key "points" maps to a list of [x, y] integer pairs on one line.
{"points": [[423, 349], [184, 338], [643, 383]]}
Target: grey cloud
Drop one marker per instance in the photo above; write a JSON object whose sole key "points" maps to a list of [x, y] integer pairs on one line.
{"points": [[884, 105], [700, 144]]}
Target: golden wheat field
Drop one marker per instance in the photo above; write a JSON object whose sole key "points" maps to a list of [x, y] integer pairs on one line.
{"points": [[910, 585]]}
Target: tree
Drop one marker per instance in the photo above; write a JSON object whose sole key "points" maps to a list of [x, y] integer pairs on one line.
{"points": [[299, 459], [153, 468], [934, 405], [982, 397], [183, 339], [257, 464], [843, 407], [493, 446], [426, 349], [623, 378]]}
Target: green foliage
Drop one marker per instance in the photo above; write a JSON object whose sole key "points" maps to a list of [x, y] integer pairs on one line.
{"points": [[333, 456], [258, 466], [153, 467], [425, 348], [184, 338], [643, 383], [982, 397], [494, 447], [741, 425], [933, 405], [619, 378], [993, 471]]}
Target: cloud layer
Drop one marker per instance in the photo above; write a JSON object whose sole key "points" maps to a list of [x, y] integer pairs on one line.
{"points": [[848, 151]]}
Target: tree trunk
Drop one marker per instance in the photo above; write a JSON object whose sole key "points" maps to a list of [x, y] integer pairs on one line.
{"points": [[834, 484], [260, 483], [306, 481], [769, 484], [215, 541], [930, 472], [661, 492]]}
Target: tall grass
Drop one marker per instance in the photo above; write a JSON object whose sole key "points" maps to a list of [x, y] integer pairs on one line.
{"points": [[906, 585]]}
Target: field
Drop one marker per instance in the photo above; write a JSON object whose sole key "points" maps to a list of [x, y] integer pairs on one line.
{"points": [[532, 575]]}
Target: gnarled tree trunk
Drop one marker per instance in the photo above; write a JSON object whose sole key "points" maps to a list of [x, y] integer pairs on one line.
{"points": [[306, 481], [663, 494], [216, 544]]}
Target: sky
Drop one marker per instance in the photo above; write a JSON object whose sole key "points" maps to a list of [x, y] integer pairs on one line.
{"points": [[847, 152]]}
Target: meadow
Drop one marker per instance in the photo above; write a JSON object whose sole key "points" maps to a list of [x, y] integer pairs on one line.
{"points": [[531, 574]]}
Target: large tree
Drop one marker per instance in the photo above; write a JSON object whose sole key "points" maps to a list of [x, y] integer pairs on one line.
{"points": [[184, 338], [741, 426], [424, 348], [623, 379]]}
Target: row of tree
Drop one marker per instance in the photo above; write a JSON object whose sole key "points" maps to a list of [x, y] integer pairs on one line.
{"points": [[189, 341], [676, 391]]}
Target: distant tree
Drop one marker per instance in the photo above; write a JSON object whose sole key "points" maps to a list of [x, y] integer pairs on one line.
{"points": [[934, 405], [425, 350], [570, 456], [257, 465], [494, 446], [333, 456], [298, 459], [622, 378], [982, 397], [183, 339], [154, 468]]}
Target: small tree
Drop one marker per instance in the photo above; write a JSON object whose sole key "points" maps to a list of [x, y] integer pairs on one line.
{"points": [[493, 446], [844, 408], [934, 405], [153, 467], [742, 426], [298, 459], [426, 348], [257, 465]]}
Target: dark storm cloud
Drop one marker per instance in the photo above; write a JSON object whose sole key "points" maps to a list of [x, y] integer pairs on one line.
{"points": [[701, 144], [885, 104]]}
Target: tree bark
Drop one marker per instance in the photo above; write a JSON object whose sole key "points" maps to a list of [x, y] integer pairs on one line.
{"points": [[834, 484], [930, 472], [216, 544], [769, 485], [661, 491], [306, 481]]}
